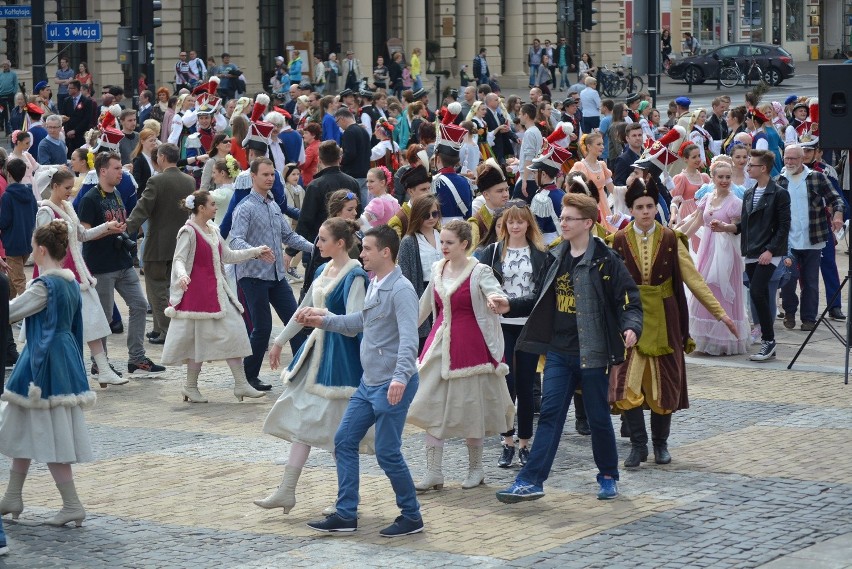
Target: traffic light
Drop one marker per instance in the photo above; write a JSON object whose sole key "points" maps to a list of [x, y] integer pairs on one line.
{"points": [[588, 11], [148, 22]]}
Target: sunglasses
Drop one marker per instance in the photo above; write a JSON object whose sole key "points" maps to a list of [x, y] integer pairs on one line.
{"points": [[434, 214], [520, 204]]}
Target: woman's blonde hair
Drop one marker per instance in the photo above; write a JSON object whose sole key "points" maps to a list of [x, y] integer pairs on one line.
{"points": [[518, 210], [144, 135]]}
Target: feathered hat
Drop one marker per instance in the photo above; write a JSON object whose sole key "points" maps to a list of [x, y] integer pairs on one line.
{"points": [[110, 134], [563, 130], [450, 136], [659, 154], [258, 137], [206, 93], [639, 189], [551, 159], [808, 130]]}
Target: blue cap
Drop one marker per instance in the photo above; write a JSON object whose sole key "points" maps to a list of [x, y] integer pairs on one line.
{"points": [[39, 86], [683, 102], [790, 100]]}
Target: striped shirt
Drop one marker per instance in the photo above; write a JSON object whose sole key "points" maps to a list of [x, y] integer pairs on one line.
{"points": [[258, 221]]}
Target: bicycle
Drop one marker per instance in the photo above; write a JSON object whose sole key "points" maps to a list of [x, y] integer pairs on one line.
{"points": [[633, 83], [609, 83], [731, 75]]}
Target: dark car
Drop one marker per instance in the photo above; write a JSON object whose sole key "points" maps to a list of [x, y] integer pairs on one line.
{"points": [[775, 62]]}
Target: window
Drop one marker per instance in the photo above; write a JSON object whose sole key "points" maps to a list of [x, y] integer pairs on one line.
{"points": [[193, 33], [69, 10], [271, 32], [795, 20], [325, 29]]}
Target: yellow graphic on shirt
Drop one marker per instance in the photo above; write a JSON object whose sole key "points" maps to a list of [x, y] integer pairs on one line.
{"points": [[565, 301]]}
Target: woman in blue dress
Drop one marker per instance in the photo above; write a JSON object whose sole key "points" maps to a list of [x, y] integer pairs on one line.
{"points": [[48, 389], [327, 368]]}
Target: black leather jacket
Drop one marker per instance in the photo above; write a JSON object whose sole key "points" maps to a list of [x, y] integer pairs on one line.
{"points": [[765, 227]]}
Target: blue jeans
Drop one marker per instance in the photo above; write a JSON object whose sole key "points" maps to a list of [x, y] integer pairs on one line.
{"points": [[806, 273], [259, 295], [830, 276], [533, 73], [562, 376], [417, 84], [564, 81], [369, 406]]}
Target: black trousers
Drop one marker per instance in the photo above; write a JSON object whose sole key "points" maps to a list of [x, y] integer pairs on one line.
{"points": [[758, 289]]}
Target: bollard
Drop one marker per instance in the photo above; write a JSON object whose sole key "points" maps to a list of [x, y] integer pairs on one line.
{"points": [[689, 80]]}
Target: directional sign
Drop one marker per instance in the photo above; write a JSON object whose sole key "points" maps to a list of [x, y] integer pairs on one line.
{"points": [[16, 12], [73, 32]]}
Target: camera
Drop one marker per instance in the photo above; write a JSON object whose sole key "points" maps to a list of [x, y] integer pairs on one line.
{"points": [[125, 243]]}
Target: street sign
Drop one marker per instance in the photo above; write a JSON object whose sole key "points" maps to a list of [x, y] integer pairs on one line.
{"points": [[73, 32], [16, 12]]}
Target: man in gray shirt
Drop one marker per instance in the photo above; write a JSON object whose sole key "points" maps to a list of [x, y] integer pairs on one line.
{"points": [[388, 351], [530, 148]]}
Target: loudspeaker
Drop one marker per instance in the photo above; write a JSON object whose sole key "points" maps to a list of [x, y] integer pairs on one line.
{"points": [[835, 106]]}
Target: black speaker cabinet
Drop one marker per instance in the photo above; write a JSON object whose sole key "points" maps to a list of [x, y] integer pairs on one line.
{"points": [[835, 106]]}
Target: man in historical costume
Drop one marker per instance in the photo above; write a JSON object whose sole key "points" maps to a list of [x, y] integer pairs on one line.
{"points": [[417, 184], [453, 189], [495, 191], [654, 374]]}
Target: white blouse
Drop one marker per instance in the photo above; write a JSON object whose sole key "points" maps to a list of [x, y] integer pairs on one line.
{"points": [[429, 255]]}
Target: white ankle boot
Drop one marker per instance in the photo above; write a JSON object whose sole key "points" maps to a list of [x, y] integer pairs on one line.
{"points": [[285, 496], [105, 374], [13, 501], [190, 388], [475, 473], [72, 510], [241, 384], [434, 479]]}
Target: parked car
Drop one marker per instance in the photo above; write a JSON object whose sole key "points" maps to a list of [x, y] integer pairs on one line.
{"points": [[775, 62]]}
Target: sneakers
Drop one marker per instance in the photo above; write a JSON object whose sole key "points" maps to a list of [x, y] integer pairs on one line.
{"points": [[836, 314], [507, 457], [807, 326], [609, 488], [402, 526], [756, 335], [520, 491], [95, 370], [145, 368], [524, 455], [789, 321], [335, 524], [767, 352], [293, 275]]}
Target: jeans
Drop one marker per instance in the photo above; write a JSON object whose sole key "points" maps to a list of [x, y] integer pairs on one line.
{"points": [[533, 73], [520, 380], [779, 277], [564, 81], [8, 101], [126, 283], [259, 295], [562, 376], [762, 297], [417, 84], [369, 406], [830, 277], [806, 273]]}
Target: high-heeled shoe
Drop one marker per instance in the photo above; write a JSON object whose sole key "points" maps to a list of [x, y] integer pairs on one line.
{"points": [[190, 388], [475, 473], [434, 479], [241, 385], [72, 510], [285, 496], [13, 501]]}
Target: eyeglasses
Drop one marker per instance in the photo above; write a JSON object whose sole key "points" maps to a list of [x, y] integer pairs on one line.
{"points": [[566, 219], [753, 165], [434, 214]]}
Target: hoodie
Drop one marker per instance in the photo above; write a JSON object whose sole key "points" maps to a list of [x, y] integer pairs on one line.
{"points": [[17, 219]]}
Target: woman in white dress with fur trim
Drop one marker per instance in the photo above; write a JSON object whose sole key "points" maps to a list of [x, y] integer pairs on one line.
{"points": [[205, 326]]}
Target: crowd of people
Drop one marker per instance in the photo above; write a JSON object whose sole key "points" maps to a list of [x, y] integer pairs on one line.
{"points": [[449, 258]]}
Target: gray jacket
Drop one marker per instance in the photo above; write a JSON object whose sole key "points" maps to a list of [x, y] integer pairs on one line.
{"points": [[389, 324]]}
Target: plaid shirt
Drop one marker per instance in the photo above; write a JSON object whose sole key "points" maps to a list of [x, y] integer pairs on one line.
{"points": [[259, 221], [821, 197]]}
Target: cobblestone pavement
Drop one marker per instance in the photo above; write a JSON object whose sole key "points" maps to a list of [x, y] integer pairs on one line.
{"points": [[761, 474]]}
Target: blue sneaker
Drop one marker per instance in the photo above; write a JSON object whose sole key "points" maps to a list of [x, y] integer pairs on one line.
{"points": [[520, 491], [609, 488]]}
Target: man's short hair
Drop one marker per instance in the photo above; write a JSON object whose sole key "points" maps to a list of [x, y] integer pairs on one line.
{"points": [[148, 95], [586, 205], [764, 158], [116, 91], [258, 162], [343, 113], [74, 83], [631, 127], [385, 237], [17, 169], [329, 152], [529, 110], [483, 89], [103, 158], [53, 119], [717, 102], [169, 152], [126, 113]]}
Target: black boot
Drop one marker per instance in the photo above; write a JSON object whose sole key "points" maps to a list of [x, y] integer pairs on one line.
{"points": [[635, 420], [660, 427], [581, 422], [537, 393], [625, 428]]}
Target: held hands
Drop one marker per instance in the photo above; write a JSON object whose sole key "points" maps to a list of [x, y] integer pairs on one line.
{"points": [[311, 317], [498, 304], [722, 227], [395, 392], [275, 356], [266, 255], [114, 227], [183, 282]]}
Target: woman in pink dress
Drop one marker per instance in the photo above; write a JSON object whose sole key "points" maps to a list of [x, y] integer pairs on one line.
{"points": [[685, 185], [722, 266], [463, 391], [597, 173]]}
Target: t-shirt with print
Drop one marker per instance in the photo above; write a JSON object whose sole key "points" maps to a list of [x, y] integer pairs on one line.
{"points": [[103, 255], [565, 336], [517, 277]]}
